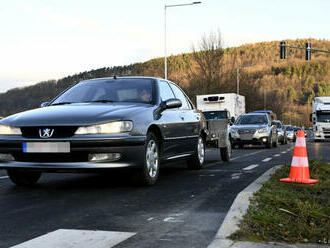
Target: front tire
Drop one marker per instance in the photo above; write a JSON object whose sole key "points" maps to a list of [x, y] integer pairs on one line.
{"points": [[24, 178], [196, 161], [148, 174]]}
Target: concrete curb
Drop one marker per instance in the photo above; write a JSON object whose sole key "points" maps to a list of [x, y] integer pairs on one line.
{"points": [[237, 210]]}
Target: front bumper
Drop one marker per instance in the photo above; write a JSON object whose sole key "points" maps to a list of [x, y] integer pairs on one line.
{"points": [[130, 148], [253, 141]]}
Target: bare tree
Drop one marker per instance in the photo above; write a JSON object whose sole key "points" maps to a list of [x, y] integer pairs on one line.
{"points": [[208, 57]]}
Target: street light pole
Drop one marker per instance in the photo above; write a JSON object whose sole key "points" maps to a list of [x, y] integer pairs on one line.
{"points": [[165, 46]]}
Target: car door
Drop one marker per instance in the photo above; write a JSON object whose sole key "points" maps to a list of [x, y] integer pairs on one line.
{"points": [[190, 121], [170, 123]]}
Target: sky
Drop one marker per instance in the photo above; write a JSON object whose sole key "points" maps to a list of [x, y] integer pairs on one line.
{"points": [[46, 39]]}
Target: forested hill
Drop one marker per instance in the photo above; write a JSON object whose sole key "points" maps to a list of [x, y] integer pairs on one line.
{"points": [[286, 87]]}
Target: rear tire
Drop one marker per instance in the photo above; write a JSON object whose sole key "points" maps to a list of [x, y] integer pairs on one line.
{"points": [[148, 174], [24, 178], [269, 144], [196, 161], [276, 142], [225, 153]]}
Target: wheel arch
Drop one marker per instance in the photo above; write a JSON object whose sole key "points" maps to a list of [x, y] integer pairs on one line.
{"points": [[156, 130]]}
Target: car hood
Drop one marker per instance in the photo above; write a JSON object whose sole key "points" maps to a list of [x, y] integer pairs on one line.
{"points": [[78, 114], [249, 126]]}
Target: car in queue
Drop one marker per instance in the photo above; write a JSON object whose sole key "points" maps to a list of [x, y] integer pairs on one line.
{"points": [[290, 133], [105, 123], [282, 136], [254, 128]]}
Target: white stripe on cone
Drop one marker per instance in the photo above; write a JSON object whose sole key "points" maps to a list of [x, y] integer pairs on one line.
{"points": [[299, 162], [301, 142]]}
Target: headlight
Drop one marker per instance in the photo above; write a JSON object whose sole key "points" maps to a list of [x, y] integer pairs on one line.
{"points": [[107, 128], [7, 130], [262, 130]]}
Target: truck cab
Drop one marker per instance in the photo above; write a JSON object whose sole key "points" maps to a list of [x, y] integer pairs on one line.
{"points": [[320, 117]]}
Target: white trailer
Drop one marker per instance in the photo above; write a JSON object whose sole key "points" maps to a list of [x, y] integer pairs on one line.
{"points": [[219, 110], [320, 117], [233, 103]]}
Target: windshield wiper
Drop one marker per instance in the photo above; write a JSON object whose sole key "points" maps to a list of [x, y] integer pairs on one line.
{"points": [[61, 103], [102, 100]]}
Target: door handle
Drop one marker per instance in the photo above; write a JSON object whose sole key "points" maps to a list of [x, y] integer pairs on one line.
{"points": [[182, 118]]}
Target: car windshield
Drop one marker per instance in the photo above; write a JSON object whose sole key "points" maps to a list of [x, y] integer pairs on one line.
{"points": [[289, 128], [323, 117], [109, 90], [215, 115], [251, 119]]}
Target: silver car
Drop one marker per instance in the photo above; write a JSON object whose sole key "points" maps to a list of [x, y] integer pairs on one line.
{"points": [[254, 128]]}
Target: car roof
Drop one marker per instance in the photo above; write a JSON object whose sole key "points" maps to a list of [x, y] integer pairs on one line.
{"points": [[129, 77], [262, 111], [253, 113]]}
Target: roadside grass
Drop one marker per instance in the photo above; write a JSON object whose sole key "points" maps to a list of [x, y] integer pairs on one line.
{"points": [[290, 212]]}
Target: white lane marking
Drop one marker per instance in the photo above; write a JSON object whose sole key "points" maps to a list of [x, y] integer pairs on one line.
{"points": [[246, 155], [210, 175], [283, 152], [277, 155], [266, 159], [5, 177], [236, 175], [66, 238], [150, 219], [250, 167], [173, 218]]}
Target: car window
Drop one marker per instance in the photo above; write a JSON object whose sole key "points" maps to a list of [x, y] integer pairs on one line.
{"points": [[215, 115], [165, 91], [278, 124], [179, 94], [252, 119]]}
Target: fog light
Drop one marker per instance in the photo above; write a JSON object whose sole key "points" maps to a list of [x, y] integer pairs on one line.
{"points": [[264, 140], [213, 135], [100, 157], [6, 157]]}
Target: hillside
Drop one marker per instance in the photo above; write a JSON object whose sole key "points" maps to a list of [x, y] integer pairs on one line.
{"points": [[286, 87]]}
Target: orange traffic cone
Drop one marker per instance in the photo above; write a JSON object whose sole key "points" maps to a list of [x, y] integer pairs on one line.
{"points": [[299, 172]]}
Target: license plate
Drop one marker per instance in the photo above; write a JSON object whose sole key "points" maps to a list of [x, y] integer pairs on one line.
{"points": [[246, 137], [46, 147]]}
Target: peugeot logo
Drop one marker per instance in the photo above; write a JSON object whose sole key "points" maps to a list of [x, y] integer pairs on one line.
{"points": [[46, 132]]}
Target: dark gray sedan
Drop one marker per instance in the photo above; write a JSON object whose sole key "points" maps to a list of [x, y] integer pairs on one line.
{"points": [[136, 122]]}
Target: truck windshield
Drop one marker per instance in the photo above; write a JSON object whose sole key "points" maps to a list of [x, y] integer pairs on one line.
{"points": [[323, 117], [215, 115], [251, 119]]}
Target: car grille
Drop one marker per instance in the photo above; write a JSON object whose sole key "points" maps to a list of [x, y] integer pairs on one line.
{"points": [[246, 131], [51, 157], [59, 132]]}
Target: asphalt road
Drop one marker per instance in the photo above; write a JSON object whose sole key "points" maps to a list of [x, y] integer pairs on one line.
{"points": [[184, 209]]}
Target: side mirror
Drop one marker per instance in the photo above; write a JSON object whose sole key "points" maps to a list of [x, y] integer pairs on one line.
{"points": [[172, 103], [232, 119], [44, 104]]}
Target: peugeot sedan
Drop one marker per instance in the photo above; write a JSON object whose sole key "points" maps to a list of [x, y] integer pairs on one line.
{"points": [[99, 124]]}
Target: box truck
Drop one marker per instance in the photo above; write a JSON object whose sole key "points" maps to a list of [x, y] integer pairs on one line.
{"points": [[320, 117], [226, 105]]}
